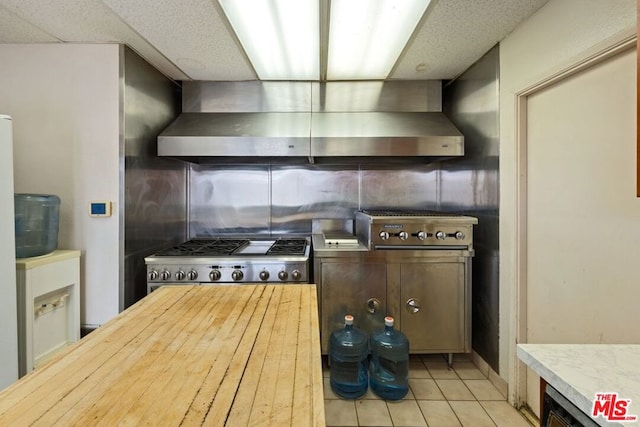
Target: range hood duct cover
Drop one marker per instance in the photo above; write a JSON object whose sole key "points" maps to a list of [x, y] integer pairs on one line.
{"points": [[314, 137]]}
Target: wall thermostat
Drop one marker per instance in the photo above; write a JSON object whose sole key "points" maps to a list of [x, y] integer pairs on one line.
{"points": [[100, 209]]}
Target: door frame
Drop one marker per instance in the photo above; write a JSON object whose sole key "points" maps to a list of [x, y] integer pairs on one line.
{"points": [[596, 55]]}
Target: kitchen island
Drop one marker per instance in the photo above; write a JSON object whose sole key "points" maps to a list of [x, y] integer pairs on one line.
{"points": [[186, 355], [580, 371]]}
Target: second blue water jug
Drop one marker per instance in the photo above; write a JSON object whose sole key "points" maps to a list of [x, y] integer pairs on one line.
{"points": [[389, 368]]}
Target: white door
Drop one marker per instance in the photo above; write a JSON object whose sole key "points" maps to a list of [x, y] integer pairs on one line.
{"points": [[583, 217]]}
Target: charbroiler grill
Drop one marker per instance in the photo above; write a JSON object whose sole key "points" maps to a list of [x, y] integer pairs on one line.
{"points": [[231, 260], [415, 229]]}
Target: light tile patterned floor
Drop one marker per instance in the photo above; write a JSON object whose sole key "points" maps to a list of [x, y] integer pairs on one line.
{"points": [[438, 397]]}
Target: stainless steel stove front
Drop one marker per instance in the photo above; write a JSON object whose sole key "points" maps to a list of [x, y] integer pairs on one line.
{"points": [[205, 262]]}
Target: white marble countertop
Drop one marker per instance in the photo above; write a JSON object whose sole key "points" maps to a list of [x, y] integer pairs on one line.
{"points": [[579, 371]]}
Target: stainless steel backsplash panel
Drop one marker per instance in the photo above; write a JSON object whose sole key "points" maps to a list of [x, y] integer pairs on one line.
{"points": [[300, 194], [414, 187], [229, 200], [274, 199]]}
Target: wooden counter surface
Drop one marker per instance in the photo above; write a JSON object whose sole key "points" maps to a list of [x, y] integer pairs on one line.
{"points": [[186, 355]]}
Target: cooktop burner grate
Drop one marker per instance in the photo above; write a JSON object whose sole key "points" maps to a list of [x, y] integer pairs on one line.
{"points": [[236, 247], [288, 247], [205, 247]]}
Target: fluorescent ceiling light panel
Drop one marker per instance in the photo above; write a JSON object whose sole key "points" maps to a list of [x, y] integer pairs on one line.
{"points": [[366, 37], [280, 37]]}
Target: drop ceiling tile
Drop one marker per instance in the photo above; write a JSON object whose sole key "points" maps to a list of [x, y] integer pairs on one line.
{"points": [[194, 35], [14, 29], [456, 33], [86, 21]]}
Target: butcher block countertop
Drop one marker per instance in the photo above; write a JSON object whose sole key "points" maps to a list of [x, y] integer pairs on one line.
{"points": [[230, 355]]}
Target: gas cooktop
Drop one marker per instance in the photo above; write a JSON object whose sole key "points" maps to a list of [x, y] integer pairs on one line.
{"points": [[236, 247]]}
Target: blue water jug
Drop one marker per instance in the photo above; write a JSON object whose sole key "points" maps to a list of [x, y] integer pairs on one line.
{"points": [[389, 368], [348, 353], [37, 218]]}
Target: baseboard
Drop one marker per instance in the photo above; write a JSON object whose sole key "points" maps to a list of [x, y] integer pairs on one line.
{"points": [[495, 379]]}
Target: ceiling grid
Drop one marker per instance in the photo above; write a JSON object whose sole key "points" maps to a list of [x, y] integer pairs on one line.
{"points": [[192, 40]]}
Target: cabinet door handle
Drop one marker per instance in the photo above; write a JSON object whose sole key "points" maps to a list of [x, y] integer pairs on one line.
{"points": [[373, 305], [413, 305]]}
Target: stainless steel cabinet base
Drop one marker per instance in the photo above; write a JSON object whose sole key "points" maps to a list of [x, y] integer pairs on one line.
{"points": [[428, 296]]}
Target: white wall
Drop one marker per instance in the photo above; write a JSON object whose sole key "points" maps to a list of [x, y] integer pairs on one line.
{"points": [[64, 99], [562, 33]]}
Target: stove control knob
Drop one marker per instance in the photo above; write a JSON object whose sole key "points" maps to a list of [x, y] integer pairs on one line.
{"points": [[264, 275], [403, 235], [384, 235], [165, 275], [440, 235], [237, 275], [192, 275], [283, 275], [459, 235], [215, 275], [422, 235], [180, 275], [153, 275], [296, 275]]}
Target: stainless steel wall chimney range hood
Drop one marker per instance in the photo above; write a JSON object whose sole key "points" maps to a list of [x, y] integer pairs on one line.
{"points": [[294, 122], [239, 137]]}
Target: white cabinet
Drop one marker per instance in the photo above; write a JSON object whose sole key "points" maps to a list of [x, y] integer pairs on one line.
{"points": [[48, 289]]}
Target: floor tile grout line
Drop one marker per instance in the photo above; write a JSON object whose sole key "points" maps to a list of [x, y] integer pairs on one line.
{"points": [[416, 400], [355, 408], [452, 411], [488, 414]]}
